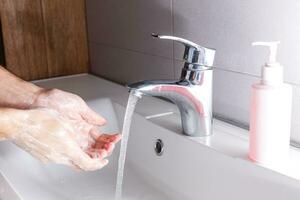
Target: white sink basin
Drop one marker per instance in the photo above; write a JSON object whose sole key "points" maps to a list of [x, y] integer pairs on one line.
{"points": [[29, 179], [190, 168]]}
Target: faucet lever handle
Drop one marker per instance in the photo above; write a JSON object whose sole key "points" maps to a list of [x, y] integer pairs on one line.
{"points": [[193, 53]]}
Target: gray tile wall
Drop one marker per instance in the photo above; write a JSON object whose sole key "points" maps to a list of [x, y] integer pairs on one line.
{"points": [[122, 50]]}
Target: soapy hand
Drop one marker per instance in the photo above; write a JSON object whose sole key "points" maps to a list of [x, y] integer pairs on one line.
{"points": [[52, 124], [74, 109], [68, 105], [49, 136]]}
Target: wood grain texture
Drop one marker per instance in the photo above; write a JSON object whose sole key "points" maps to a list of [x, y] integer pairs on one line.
{"points": [[24, 38], [66, 37], [2, 60], [44, 38]]}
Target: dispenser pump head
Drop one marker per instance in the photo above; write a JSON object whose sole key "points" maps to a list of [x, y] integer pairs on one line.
{"points": [[273, 46], [272, 71]]}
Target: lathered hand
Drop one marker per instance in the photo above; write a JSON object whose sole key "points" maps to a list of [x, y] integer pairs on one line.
{"points": [[49, 136], [68, 105], [74, 108], [52, 124]]}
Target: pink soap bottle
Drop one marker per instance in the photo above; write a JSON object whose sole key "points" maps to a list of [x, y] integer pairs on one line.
{"points": [[270, 114]]}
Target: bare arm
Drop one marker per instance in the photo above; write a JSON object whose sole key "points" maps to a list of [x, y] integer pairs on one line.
{"points": [[52, 125], [16, 93]]}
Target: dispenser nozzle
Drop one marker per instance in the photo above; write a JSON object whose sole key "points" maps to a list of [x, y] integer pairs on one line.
{"points": [[273, 46]]}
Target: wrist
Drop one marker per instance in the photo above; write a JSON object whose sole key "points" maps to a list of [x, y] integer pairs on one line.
{"points": [[40, 98], [20, 96], [15, 92], [32, 93]]}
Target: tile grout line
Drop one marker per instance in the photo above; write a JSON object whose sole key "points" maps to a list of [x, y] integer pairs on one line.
{"points": [[236, 72], [126, 49], [252, 75], [172, 30], [173, 61]]}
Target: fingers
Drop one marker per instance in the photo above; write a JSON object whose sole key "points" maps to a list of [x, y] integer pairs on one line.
{"points": [[94, 157], [107, 142], [109, 147], [92, 117], [104, 138], [95, 133], [84, 162], [97, 153], [109, 138]]}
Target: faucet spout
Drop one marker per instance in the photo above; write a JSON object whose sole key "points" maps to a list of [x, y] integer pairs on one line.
{"points": [[192, 93], [193, 101]]}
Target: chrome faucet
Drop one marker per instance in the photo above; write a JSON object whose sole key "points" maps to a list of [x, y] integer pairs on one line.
{"points": [[192, 93]]}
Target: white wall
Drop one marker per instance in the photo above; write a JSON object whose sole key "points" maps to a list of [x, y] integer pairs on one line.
{"points": [[122, 50]]}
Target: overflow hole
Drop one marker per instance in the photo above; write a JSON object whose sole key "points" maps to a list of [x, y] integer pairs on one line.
{"points": [[159, 147]]}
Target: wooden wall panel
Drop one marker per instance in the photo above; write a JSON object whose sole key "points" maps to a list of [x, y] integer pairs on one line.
{"points": [[44, 38], [24, 38], [2, 60], [66, 36]]}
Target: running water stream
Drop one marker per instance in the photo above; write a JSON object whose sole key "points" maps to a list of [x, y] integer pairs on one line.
{"points": [[132, 100]]}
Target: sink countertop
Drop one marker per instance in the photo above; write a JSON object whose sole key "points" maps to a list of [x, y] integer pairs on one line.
{"points": [[227, 139], [221, 158]]}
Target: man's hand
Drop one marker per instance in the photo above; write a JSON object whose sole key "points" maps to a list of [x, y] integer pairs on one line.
{"points": [[48, 136], [73, 108], [69, 105], [74, 118]]}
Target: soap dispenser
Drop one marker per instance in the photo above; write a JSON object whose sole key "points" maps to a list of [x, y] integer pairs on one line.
{"points": [[270, 114]]}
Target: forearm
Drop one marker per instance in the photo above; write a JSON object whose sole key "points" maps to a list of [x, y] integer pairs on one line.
{"points": [[15, 92]]}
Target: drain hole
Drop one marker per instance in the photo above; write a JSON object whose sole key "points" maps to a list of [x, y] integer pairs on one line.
{"points": [[159, 147]]}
